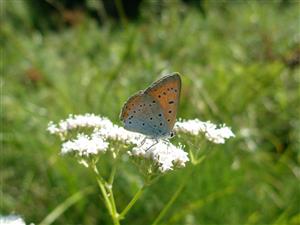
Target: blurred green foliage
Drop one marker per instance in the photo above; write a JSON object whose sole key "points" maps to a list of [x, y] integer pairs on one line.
{"points": [[239, 64]]}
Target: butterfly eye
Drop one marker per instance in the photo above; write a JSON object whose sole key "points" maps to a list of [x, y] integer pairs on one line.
{"points": [[172, 134]]}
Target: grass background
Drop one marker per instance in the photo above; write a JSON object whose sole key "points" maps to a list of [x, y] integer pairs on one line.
{"points": [[240, 66]]}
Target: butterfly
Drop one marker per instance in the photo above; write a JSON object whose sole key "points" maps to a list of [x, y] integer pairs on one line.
{"points": [[152, 111]]}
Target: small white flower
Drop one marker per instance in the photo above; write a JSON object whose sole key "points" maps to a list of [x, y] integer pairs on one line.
{"points": [[52, 128], [210, 130], [84, 145], [11, 220], [165, 154]]}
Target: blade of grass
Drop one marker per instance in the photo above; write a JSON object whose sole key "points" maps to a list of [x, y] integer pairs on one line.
{"points": [[61, 208], [200, 203]]}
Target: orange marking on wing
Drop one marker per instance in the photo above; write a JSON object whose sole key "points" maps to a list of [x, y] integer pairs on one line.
{"points": [[167, 93], [130, 103]]}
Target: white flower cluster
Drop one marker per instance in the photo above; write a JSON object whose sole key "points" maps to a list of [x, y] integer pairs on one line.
{"points": [[117, 133], [78, 121], [102, 126], [84, 145], [164, 154], [212, 132]]}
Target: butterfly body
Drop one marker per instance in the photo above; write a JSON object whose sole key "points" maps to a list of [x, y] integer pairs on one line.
{"points": [[152, 112]]}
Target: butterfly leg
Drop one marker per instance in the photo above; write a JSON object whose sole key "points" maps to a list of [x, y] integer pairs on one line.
{"points": [[156, 142], [166, 141], [143, 142]]}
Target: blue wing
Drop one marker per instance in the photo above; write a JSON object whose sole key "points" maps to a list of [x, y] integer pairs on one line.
{"points": [[143, 114]]}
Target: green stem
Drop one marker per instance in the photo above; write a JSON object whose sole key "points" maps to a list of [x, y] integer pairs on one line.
{"points": [[112, 201], [112, 174], [173, 198], [109, 186], [105, 196], [108, 197], [168, 205], [197, 158], [192, 157], [132, 202]]}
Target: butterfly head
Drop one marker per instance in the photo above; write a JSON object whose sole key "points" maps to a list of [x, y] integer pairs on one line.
{"points": [[172, 134], [166, 135]]}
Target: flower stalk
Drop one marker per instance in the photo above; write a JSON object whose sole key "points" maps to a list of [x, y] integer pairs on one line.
{"points": [[107, 194], [132, 202]]}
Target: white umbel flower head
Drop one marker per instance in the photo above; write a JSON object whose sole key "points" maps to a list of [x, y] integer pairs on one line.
{"points": [[212, 132], [84, 145], [166, 155], [219, 135], [117, 133], [78, 121], [193, 127]]}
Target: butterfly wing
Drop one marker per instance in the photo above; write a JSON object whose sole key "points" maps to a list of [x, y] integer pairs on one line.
{"points": [[166, 92], [142, 114]]}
